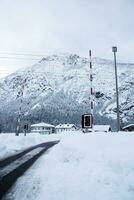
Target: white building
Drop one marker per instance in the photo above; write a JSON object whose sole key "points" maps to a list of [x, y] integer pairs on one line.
{"points": [[42, 128], [129, 127], [65, 127], [102, 128]]}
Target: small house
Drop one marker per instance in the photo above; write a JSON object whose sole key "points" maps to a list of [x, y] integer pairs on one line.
{"points": [[42, 128], [65, 127], [129, 127]]}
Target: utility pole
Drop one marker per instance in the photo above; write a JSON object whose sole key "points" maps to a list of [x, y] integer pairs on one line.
{"points": [[114, 50], [91, 90], [88, 119]]}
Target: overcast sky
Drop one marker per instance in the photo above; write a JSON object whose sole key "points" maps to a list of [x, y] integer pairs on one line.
{"points": [[50, 26]]}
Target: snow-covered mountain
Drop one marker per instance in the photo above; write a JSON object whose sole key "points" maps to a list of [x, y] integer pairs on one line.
{"points": [[57, 89]]}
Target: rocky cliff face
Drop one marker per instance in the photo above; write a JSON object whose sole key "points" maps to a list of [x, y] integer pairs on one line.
{"points": [[57, 90]]}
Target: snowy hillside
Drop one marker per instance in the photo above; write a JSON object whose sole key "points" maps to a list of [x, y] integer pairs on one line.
{"points": [[57, 89]]}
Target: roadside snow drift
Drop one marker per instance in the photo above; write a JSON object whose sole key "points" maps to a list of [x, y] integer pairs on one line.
{"points": [[96, 166], [11, 144]]}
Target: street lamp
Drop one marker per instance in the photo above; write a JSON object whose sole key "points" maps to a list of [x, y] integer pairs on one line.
{"points": [[114, 50]]}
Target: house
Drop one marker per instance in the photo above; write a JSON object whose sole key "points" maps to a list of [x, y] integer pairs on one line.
{"points": [[65, 127], [42, 128], [129, 127], [102, 128]]}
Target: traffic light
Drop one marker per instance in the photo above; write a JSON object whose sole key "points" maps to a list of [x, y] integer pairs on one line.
{"points": [[26, 127], [87, 121]]}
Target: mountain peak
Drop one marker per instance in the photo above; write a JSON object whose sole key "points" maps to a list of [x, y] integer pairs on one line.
{"points": [[57, 90]]}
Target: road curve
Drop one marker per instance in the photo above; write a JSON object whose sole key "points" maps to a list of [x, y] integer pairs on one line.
{"points": [[14, 166]]}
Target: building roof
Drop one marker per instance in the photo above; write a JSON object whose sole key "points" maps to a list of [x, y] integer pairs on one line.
{"points": [[129, 125], [101, 127], [66, 126], [42, 124]]}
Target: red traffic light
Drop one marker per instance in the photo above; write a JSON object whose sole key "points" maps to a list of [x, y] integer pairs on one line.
{"points": [[87, 121]]}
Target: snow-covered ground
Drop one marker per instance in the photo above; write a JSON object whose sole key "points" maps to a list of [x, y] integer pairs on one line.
{"points": [[11, 144], [96, 166]]}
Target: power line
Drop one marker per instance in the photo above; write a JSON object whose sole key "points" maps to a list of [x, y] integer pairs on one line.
{"points": [[46, 72], [58, 74], [22, 54], [17, 58], [6, 72], [49, 73]]}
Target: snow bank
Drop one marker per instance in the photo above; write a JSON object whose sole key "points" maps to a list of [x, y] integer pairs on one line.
{"points": [[10, 144], [82, 167]]}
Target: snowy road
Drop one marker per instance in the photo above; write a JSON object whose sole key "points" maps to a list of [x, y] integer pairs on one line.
{"points": [[16, 165]]}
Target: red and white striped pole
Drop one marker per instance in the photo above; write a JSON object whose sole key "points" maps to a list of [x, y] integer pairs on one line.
{"points": [[91, 90]]}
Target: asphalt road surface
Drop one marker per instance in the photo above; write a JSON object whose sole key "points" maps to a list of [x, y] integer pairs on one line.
{"points": [[14, 166]]}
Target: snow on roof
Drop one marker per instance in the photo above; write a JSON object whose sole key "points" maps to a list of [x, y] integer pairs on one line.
{"points": [[65, 126], [129, 125], [101, 127], [42, 124]]}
